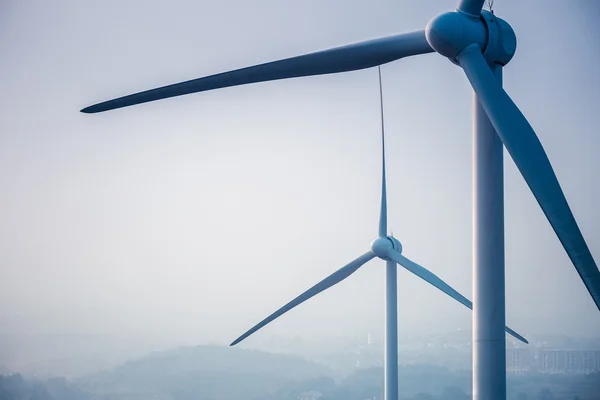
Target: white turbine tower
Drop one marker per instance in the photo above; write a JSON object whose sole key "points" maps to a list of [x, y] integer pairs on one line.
{"points": [[481, 44]]}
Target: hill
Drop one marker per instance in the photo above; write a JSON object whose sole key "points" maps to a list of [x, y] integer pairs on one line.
{"points": [[204, 372]]}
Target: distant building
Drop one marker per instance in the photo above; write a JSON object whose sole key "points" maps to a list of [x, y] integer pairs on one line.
{"points": [[552, 361], [518, 361], [568, 361]]}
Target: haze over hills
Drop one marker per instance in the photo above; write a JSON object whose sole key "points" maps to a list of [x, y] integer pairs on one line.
{"points": [[220, 359], [224, 373], [74, 356], [215, 372]]}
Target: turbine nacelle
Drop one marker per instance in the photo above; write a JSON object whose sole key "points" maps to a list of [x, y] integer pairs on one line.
{"points": [[382, 245], [450, 33]]}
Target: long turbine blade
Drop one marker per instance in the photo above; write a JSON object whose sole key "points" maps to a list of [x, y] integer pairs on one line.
{"points": [[471, 7], [326, 283], [433, 279], [341, 59], [383, 212], [530, 158]]}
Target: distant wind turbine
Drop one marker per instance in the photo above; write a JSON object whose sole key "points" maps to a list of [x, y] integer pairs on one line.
{"points": [[481, 44], [389, 249]]}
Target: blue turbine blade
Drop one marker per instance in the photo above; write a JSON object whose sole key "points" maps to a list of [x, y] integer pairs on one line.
{"points": [[530, 158], [325, 284], [471, 7], [383, 211], [341, 59], [434, 280]]}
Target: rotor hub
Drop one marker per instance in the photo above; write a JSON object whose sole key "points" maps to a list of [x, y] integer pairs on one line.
{"points": [[451, 33], [383, 245]]}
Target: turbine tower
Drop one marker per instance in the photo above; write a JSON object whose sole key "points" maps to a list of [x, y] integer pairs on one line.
{"points": [[389, 249], [481, 44]]}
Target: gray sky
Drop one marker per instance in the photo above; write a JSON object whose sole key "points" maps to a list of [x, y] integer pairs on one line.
{"points": [[196, 217]]}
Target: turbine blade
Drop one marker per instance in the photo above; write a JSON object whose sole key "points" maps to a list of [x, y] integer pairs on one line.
{"points": [[471, 7], [383, 212], [341, 59], [326, 283], [530, 158], [435, 281]]}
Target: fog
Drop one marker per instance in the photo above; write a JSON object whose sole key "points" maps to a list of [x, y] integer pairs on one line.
{"points": [[186, 221]]}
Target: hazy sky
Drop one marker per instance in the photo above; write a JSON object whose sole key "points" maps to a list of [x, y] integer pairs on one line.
{"points": [[196, 217]]}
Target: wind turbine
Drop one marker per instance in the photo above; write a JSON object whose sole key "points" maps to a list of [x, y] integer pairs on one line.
{"points": [[481, 44], [388, 249]]}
